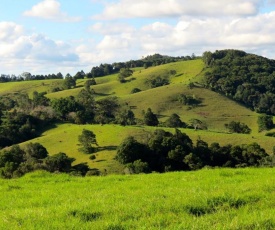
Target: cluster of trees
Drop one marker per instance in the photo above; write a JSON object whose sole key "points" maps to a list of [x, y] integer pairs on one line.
{"points": [[247, 78], [164, 151], [123, 74], [174, 121], [15, 161], [26, 76], [101, 70], [22, 118], [265, 122], [191, 100], [155, 81], [237, 127]]}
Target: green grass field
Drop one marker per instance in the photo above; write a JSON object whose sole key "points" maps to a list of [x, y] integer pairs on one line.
{"points": [[64, 138], [205, 199], [29, 86]]}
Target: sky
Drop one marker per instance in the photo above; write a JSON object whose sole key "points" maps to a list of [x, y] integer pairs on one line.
{"points": [[51, 36]]}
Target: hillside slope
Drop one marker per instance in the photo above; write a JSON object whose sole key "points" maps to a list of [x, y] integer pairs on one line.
{"points": [[214, 110], [64, 138]]}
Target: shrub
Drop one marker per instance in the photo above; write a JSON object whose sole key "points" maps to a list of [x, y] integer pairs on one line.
{"points": [[237, 127], [138, 167], [174, 121], [135, 90], [92, 157]]}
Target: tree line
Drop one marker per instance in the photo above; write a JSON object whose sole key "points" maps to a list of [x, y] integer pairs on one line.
{"points": [[100, 70], [164, 151], [17, 161]]}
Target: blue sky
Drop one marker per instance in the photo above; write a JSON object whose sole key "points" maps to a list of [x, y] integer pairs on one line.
{"points": [[50, 36]]}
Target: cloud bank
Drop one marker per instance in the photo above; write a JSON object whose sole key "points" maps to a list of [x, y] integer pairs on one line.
{"points": [[50, 10]]}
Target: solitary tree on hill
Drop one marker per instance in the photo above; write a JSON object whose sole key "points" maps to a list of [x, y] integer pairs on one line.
{"points": [[150, 118], [87, 139]]}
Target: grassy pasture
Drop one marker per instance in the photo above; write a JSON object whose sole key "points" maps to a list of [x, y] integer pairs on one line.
{"points": [[29, 86], [109, 85], [64, 138], [205, 199]]}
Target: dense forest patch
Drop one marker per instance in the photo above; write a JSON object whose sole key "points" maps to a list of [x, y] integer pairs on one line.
{"points": [[246, 78]]}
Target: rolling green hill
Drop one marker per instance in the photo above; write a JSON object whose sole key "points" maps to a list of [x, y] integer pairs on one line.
{"points": [[64, 138], [214, 110]]}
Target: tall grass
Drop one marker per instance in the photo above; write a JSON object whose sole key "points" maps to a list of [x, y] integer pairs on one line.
{"points": [[206, 199]]}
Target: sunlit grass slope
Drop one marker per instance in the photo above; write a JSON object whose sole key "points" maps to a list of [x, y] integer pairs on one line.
{"points": [[206, 199], [64, 138], [29, 86], [109, 85], [215, 110]]}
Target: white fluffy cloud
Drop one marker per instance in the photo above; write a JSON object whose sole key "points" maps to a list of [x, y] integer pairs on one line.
{"points": [[176, 8], [172, 27], [9, 31], [188, 35], [32, 52], [50, 9]]}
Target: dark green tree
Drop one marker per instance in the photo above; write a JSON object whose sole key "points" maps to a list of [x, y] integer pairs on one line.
{"points": [[237, 127], [131, 150], [197, 124], [138, 167], [106, 110], [87, 139], [40, 99], [150, 118], [63, 106], [69, 82], [88, 84], [174, 121], [35, 151], [123, 74], [207, 58], [125, 117], [59, 162], [265, 122], [79, 75]]}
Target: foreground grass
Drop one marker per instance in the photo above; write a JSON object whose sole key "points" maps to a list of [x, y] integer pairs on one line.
{"points": [[206, 199]]}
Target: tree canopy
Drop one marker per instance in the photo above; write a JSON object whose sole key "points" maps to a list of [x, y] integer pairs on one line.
{"points": [[246, 78]]}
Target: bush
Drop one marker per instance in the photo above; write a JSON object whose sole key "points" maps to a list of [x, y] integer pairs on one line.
{"points": [[174, 121], [150, 118], [138, 167], [237, 127], [92, 157], [158, 81], [135, 90], [93, 172], [188, 100], [130, 150], [270, 134], [265, 122]]}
